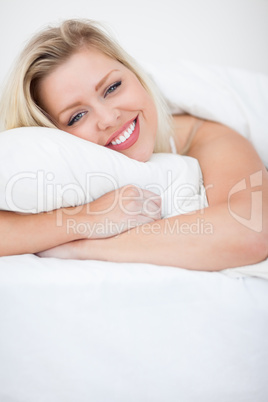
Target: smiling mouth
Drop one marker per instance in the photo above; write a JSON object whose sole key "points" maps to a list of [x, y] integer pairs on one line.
{"points": [[125, 135], [127, 138]]}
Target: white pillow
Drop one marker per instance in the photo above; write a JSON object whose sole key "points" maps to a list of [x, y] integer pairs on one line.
{"points": [[44, 169]]}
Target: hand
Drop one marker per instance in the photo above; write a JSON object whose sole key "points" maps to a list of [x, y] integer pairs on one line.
{"points": [[65, 251], [116, 212], [79, 250]]}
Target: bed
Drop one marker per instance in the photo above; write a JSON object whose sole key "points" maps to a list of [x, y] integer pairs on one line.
{"points": [[99, 331]]}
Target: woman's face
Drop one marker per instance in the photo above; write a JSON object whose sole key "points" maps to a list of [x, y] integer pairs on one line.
{"points": [[98, 99]]}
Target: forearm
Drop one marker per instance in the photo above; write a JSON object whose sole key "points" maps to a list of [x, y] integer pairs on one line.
{"points": [[208, 240], [21, 234], [101, 218]]}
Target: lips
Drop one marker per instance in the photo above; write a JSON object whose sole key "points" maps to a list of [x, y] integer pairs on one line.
{"points": [[125, 137]]}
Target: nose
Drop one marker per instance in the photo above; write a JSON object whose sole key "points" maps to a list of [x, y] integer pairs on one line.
{"points": [[107, 117]]}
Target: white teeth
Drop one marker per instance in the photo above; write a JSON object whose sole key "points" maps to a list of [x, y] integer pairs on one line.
{"points": [[126, 134]]}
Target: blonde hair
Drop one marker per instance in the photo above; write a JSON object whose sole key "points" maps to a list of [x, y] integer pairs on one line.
{"points": [[52, 47]]}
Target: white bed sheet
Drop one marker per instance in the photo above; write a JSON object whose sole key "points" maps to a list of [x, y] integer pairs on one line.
{"points": [[105, 332]]}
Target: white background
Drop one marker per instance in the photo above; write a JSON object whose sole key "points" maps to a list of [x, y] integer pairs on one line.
{"points": [[224, 32]]}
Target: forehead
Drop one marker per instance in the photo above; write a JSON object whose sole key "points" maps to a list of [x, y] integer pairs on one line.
{"points": [[88, 64], [91, 60]]}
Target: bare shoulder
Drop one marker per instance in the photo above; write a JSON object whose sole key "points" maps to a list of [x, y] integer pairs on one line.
{"points": [[185, 129], [226, 158]]}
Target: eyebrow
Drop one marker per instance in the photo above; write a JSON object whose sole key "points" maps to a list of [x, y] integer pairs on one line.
{"points": [[97, 87], [102, 81]]}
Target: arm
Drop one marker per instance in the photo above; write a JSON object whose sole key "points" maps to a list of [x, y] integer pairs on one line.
{"points": [[23, 233], [231, 232]]}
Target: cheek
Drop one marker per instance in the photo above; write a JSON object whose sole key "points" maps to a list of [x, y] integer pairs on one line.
{"points": [[151, 116], [147, 106]]}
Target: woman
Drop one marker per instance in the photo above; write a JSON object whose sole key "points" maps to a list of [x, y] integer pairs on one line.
{"points": [[77, 79]]}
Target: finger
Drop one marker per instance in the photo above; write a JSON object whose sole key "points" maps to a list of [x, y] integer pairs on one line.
{"points": [[131, 192], [153, 196], [152, 208]]}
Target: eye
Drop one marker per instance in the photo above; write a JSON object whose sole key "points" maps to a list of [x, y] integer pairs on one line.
{"points": [[76, 118], [112, 88]]}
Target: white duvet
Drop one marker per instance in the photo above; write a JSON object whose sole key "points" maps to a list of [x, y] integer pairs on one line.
{"points": [[234, 97], [105, 332]]}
